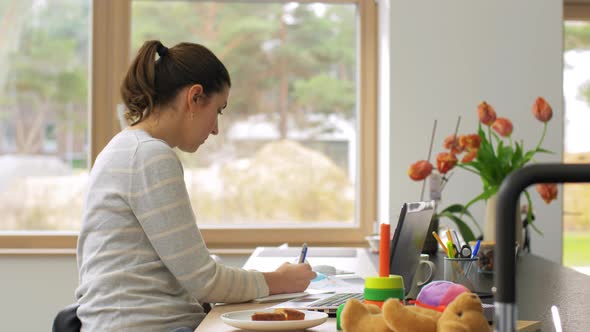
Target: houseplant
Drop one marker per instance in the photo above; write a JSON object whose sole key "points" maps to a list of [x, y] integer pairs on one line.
{"points": [[492, 154]]}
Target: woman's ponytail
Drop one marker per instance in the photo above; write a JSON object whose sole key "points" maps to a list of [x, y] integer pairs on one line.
{"points": [[138, 89]]}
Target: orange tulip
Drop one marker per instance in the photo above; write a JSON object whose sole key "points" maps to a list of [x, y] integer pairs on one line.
{"points": [[470, 142], [469, 156], [452, 143], [445, 161], [420, 170], [486, 113], [503, 127], [548, 191], [542, 110]]}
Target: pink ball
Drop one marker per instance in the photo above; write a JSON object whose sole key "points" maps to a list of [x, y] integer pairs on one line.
{"points": [[440, 292]]}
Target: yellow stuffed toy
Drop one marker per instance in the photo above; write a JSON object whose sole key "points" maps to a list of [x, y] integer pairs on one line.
{"points": [[362, 317], [463, 314]]}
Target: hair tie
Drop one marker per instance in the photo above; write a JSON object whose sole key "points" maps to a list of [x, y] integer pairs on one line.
{"points": [[162, 50]]}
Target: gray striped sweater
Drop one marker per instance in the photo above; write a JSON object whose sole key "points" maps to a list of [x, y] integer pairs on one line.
{"points": [[143, 265]]}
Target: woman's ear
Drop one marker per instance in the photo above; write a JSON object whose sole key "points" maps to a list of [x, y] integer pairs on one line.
{"points": [[194, 92]]}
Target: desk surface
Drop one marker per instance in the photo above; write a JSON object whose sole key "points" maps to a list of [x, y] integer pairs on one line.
{"points": [[540, 284]]}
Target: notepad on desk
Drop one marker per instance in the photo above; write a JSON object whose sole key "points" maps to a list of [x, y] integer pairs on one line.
{"points": [[323, 286], [279, 297]]}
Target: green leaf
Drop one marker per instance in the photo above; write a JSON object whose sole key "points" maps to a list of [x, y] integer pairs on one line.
{"points": [[463, 227], [488, 192], [460, 209], [454, 208], [498, 139], [517, 156], [473, 167]]}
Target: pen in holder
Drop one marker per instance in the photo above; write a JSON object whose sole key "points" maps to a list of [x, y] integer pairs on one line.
{"points": [[461, 271]]}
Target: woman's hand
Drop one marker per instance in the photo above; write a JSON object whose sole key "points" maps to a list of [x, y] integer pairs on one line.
{"points": [[289, 278]]}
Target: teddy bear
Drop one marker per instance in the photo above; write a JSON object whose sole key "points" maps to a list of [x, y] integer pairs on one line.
{"points": [[463, 314], [362, 317]]}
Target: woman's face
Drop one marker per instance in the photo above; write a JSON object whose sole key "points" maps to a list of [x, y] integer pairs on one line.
{"points": [[201, 119]]}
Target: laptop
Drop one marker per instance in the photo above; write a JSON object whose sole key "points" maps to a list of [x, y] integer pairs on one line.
{"points": [[405, 249], [408, 240]]}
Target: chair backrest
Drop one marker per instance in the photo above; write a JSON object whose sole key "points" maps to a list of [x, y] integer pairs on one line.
{"points": [[67, 320]]}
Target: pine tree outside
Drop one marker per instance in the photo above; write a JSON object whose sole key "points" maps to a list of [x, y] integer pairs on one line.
{"points": [[576, 210]]}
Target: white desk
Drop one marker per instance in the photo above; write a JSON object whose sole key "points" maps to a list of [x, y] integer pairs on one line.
{"points": [[540, 284], [267, 259]]}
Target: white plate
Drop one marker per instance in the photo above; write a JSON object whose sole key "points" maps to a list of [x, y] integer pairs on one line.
{"points": [[243, 320]]}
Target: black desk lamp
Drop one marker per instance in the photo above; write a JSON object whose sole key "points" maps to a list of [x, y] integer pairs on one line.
{"points": [[505, 260]]}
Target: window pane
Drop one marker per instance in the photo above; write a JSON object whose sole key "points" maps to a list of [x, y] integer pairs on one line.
{"points": [[43, 113], [576, 83], [287, 148]]}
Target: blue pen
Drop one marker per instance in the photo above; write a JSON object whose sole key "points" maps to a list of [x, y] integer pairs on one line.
{"points": [[476, 249], [303, 253]]}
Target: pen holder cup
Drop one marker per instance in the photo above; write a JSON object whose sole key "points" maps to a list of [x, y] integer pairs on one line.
{"points": [[461, 271], [485, 255]]}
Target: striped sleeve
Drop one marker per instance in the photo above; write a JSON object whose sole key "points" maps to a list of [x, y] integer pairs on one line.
{"points": [[160, 201]]}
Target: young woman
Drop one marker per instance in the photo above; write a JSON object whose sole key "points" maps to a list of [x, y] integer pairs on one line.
{"points": [[142, 262]]}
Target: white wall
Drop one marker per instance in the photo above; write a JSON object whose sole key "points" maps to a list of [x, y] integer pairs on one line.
{"points": [[34, 288], [446, 57]]}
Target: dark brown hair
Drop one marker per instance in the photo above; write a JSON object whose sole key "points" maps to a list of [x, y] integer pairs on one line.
{"points": [[150, 82]]}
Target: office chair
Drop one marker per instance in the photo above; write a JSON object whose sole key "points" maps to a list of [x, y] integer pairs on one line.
{"points": [[67, 319], [505, 260]]}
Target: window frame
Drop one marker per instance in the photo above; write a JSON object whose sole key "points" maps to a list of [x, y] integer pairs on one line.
{"points": [[573, 10], [576, 10], [110, 54]]}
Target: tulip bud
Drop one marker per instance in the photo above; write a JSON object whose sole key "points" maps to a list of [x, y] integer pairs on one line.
{"points": [[470, 142], [548, 191], [420, 170], [452, 143], [445, 161], [542, 110], [486, 113], [469, 156], [503, 127]]}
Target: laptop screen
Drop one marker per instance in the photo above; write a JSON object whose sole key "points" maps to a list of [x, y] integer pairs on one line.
{"points": [[408, 240]]}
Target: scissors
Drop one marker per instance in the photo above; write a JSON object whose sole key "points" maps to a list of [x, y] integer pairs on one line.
{"points": [[465, 251]]}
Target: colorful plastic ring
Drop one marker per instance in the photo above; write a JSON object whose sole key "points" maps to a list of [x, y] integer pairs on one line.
{"points": [[338, 315], [393, 281], [377, 303], [376, 294]]}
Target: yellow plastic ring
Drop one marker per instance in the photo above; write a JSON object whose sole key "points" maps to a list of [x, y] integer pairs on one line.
{"points": [[393, 281]]}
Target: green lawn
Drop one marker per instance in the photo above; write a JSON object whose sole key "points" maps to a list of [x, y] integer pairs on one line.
{"points": [[576, 249]]}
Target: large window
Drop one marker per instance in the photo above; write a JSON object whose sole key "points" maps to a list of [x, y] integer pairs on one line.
{"points": [[287, 156], [287, 148], [296, 157], [44, 51], [576, 77]]}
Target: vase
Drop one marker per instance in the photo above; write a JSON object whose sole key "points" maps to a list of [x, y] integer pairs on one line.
{"points": [[434, 185], [489, 229]]}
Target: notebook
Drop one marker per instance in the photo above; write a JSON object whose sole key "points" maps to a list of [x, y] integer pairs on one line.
{"points": [[405, 249]]}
